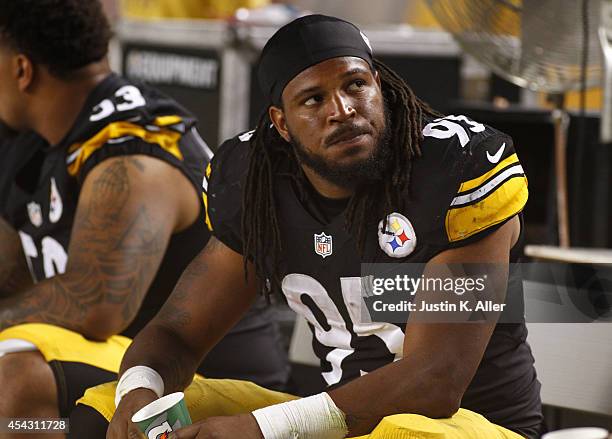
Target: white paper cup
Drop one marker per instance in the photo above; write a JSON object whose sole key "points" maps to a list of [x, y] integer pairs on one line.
{"points": [[578, 433], [162, 416]]}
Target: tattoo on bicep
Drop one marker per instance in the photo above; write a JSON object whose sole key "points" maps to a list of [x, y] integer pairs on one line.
{"points": [[113, 186], [113, 258], [137, 163]]}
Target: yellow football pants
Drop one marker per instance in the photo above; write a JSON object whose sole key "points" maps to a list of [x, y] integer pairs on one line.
{"points": [[212, 397], [59, 344]]}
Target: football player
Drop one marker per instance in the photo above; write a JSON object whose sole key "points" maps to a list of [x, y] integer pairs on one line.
{"points": [[101, 219], [346, 166]]}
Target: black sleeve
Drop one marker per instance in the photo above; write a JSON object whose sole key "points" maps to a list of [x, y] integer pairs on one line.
{"points": [[225, 179], [484, 184]]}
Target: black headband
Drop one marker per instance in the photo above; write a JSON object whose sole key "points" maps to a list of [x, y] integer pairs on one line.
{"points": [[305, 42]]}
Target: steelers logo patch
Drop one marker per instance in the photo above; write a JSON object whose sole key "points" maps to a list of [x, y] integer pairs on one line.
{"points": [[398, 239]]}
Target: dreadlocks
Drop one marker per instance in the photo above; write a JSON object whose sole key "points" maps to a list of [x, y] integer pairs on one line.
{"points": [[260, 228]]}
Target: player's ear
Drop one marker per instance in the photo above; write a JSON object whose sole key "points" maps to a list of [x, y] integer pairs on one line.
{"points": [[23, 71], [377, 78], [277, 116]]}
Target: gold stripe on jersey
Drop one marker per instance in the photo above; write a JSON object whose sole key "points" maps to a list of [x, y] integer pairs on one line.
{"points": [[205, 196], [117, 132], [471, 184], [505, 201], [163, 121], [208, 223]]}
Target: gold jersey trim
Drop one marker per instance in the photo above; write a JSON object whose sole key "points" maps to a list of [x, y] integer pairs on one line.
{"points": [[119, 132], [163, 121], [205, 196], [505, 201]]}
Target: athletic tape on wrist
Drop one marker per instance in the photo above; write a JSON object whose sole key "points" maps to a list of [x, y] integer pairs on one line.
{"points": [[139, 377], [314, 417]]}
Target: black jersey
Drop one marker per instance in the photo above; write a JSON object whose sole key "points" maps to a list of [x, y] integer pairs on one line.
{"points": [[467, 183], [118, 118]]}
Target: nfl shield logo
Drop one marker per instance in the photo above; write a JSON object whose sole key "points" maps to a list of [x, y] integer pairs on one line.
{"points": [[323, 244]]}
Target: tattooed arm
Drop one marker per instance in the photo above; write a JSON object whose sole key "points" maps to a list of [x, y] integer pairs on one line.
{"points": [[14, 274], [187, 327], [190, 323], [128, 208]]}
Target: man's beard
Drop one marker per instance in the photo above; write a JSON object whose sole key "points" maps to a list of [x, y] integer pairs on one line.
{"points": [[357, 172]]}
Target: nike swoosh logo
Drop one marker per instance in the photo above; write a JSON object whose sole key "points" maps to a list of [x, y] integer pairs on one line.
{"points": [[495, 157]]}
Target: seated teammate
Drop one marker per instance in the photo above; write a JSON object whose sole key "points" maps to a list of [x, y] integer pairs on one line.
{"points": [[103, 217], [344, 145]]}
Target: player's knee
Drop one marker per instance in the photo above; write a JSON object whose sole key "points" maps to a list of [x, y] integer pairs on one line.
{"points": [[27, 384]]}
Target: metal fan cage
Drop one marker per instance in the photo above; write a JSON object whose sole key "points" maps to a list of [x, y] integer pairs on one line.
{"points": [[537, 44]]}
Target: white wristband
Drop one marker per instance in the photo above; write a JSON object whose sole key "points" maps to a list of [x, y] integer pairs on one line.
{"points": [[139, 377], [314, 417]]}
